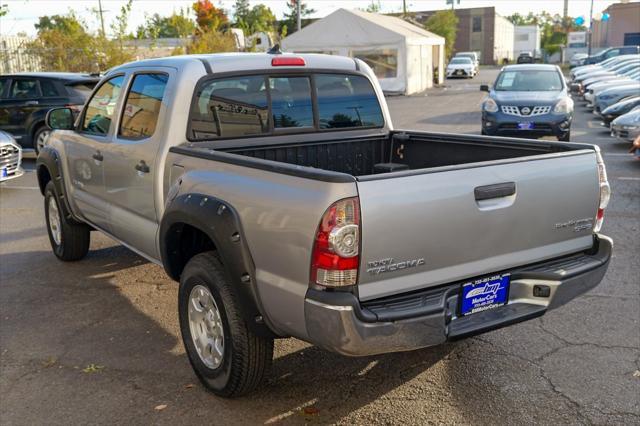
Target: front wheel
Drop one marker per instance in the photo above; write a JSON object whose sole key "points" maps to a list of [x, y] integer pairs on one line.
{"points": [[565, 138], [69, 241], [228, 358], [40, 138]]}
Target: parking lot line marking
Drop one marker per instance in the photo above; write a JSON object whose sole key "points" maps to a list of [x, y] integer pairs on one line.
{"points": [[18, 187], [628, 178]]}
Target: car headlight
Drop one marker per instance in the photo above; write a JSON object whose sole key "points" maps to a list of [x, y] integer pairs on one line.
{"points": [[630, 127], [490, 105], [564, 106]]}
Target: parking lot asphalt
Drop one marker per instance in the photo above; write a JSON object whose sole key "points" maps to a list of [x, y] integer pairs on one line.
{"points": [[97, 341]]}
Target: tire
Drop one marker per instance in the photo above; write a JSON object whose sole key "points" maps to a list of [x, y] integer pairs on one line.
{"points": [[40, 137], [482, 132], [565, 138], [69, 241], [245, 357]]}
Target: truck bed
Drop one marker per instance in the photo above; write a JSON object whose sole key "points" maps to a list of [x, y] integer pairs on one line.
{"points": [[357, 157]]}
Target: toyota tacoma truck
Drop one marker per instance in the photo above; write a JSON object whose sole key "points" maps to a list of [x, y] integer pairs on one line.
{"points": [[275, 190]]}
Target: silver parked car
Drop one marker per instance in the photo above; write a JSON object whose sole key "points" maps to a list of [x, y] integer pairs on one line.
{"points": [[10, 157], [627, 127]]}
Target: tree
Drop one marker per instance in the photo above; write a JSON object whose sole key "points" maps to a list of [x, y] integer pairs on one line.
{"points": [[177, 25], [4, 9], [241, 10], [445, 24], [373, 7], [212, 42], [290, 20], [553, 28], [261, 18], [209, 17]]}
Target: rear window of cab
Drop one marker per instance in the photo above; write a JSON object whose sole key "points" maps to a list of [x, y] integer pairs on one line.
{"points": [[262, 105]]}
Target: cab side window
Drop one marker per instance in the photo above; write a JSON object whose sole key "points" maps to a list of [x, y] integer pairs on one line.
{"points": [[102, 107], [48, 88], [4, 82], [142, 106]]}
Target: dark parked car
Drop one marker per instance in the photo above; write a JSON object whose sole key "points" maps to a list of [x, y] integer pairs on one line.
{"points": [[525, 58], [528, 100], [25, 99], [611, 52], [620, 108]]}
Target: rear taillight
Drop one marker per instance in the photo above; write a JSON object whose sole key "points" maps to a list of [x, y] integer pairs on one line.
{"points": [[605, 192], [336, 249]]}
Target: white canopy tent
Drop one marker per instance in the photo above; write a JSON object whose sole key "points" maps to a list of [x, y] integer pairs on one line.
{"points": [[403, 56]]}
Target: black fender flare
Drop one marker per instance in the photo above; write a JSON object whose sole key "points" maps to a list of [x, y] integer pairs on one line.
{"points": [[221, 223], [49, 161]]}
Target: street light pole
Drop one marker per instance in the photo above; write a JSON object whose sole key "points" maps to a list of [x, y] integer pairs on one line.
{"points": [[101, 18], [590, 27], [298, 14]]}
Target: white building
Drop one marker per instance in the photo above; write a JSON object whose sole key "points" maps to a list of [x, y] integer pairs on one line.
{"points": [[403, 56], [527, 39]]}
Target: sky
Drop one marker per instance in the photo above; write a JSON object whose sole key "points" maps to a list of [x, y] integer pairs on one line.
{"points": [[23, 14]]}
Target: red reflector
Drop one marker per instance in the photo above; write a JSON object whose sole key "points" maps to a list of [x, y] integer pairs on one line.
{"points": [[600, 214], [287, 61]]}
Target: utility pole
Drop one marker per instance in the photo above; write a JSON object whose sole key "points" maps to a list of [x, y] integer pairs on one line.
{"points": [[404, 8], [590, 27], [565, 16], [298, 10], [100, 10]]}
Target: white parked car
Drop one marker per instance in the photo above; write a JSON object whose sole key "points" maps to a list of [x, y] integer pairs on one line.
{"points": [[10, 157], [471, 55], [461, 67], [626, 128]]}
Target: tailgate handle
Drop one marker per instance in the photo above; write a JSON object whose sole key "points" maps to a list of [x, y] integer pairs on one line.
{"points": [[497, 190]]}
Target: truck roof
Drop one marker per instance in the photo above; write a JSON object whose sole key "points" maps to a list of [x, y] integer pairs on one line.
{"points": [[236, 61]]}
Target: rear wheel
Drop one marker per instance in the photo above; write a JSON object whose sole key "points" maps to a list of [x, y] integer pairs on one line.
{"points": [[40, 138], [69, 241], [228, 358]]}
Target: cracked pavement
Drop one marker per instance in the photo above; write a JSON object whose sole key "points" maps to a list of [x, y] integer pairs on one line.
{"points": [[114, 310]]}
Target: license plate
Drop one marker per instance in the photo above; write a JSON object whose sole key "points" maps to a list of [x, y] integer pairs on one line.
{"points": [[484, 293], [525, 126], [4, 172]]}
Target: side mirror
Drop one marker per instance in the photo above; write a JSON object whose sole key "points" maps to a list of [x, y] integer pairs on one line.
{"points": [[484, 88], [60, 119]]}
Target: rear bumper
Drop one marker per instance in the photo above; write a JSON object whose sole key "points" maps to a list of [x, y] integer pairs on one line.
{"points": [[340, 323]]}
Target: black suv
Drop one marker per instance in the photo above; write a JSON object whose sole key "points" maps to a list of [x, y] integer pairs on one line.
{"points": [[25, 99], [611, 52]]}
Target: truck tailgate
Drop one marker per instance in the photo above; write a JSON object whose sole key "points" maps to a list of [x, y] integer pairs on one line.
{"points": [[422, 229]]}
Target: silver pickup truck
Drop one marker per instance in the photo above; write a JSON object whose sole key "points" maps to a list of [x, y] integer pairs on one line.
{"points": [[275, 190]]}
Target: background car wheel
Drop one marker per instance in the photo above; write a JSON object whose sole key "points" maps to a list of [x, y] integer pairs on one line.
{"points": [[40, 138], [69, 241], [565, 138], [228, 358]]}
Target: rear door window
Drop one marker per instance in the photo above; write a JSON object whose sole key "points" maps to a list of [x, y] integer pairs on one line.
{"points": [[25, 89], [142, 106], [347, 101], [49, 89], [102, 107], [4, 82]]}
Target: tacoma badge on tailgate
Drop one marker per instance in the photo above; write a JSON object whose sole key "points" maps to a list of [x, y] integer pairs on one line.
{"points": [[381, 266]]}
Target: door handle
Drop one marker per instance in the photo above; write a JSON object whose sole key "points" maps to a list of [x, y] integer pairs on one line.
{"points": [[142, 167], [497, 190], [31, 103], [98, 156]]}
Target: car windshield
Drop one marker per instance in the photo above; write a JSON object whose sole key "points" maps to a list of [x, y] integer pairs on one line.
{"points": [[528, 81], [460, 61]]}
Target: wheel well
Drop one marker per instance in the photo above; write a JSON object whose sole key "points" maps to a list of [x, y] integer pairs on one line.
{"points": [[43, 178], [183, 241], [37, 126]]}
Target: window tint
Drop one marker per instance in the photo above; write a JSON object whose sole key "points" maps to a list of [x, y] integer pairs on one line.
{"points": [[230, 107], [24, 89], [48, 88], [291, 102], [529, 81], [142, 106], [82, 90], [102, 107], [347, 101]]}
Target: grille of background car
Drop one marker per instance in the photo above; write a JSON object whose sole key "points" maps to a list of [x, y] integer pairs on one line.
{"points": [[9, 156], [515, 110]]}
